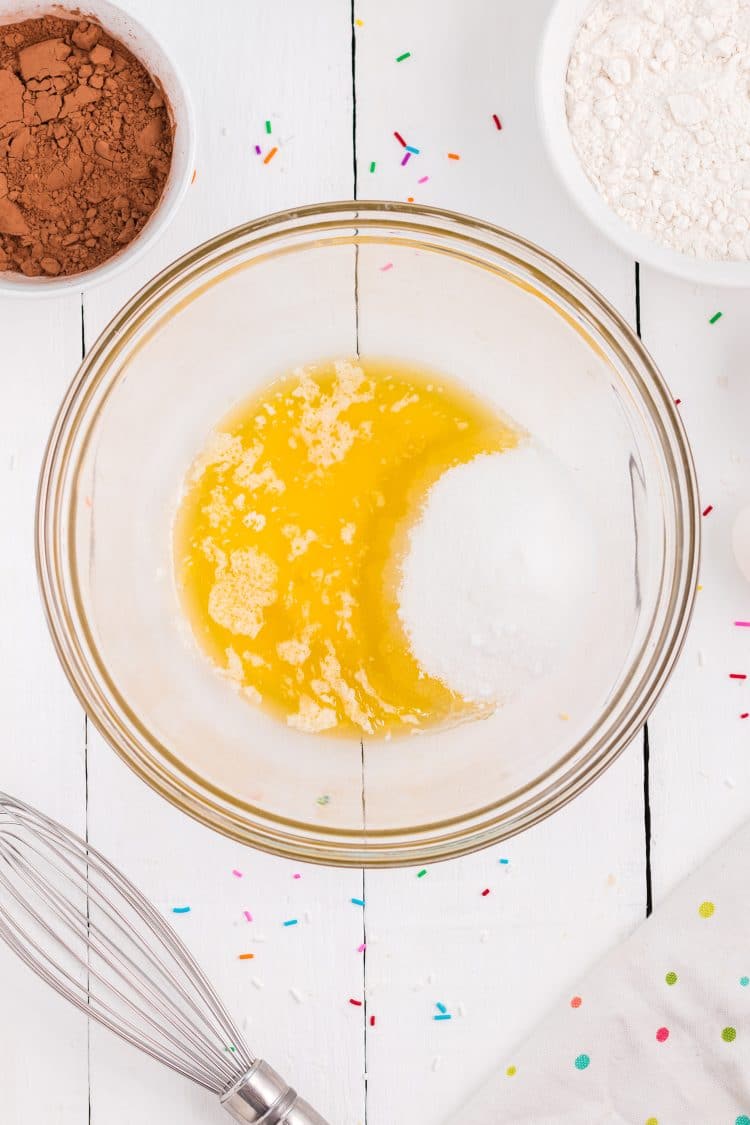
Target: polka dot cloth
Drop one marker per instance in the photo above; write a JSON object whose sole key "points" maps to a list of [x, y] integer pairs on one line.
{"points": [[657, 1032]]}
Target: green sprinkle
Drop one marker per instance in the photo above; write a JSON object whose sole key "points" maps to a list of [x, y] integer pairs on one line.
{"points": [[268, 126], [372, 165], [671, 978], [715, 317], [422, 873], [406, 55], [323, 800]]}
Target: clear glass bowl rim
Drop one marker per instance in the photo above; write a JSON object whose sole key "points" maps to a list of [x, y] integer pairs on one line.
{"points": [[422, 843]]}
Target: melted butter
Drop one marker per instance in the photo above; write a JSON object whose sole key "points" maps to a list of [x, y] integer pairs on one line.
{"points": [[291, 531]]}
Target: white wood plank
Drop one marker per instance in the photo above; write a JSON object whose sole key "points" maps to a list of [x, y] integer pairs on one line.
{"points": [[700, 762], [291, 64], [577, 883], [42, 723]]}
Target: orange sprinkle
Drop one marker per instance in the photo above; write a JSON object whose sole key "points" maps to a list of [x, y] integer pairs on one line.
{"points": [[246, 956], [270, 155], [410, 199], [195, 175], [453, 156]]}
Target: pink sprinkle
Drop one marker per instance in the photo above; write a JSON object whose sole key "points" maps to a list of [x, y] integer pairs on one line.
{"points": [[296, 875], [737, 676], [361, 948], [662, 1034], [258, 150], [387, 266], [707, 511], [237, 874], [423, 180], [743, 624], [248, 915]]}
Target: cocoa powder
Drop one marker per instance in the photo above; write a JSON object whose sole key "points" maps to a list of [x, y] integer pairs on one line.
{"points": [[85, 146]]}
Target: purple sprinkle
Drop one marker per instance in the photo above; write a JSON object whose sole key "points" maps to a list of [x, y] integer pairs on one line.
{"points": [[258, 150], [407, 157]]}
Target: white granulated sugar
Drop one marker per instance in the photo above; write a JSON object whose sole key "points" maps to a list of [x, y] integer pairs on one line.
{"points": [[496, 573], [659, 114]]}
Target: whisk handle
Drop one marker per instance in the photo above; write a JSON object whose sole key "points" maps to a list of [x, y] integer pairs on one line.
{"points": [[262, 1097]]}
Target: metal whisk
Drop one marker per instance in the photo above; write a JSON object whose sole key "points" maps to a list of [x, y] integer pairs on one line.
{"points": [[87, 931]]}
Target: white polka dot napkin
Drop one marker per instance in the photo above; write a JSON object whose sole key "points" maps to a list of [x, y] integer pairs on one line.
{"points": [[658, 1033]]}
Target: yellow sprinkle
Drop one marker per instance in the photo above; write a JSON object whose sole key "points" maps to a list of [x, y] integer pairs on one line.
{"points": [[564, 716], [510, 1071], [706, 909], [360, 23]]}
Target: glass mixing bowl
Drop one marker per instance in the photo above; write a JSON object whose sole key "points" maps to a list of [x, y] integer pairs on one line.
{"points": [[428, 287]]}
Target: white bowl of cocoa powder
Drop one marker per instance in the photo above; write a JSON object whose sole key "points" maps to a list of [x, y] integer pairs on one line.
{"points": [[97, 144]]}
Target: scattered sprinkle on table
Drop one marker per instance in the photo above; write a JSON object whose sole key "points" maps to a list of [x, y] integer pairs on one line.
{"points": [[270, 155], [410, 199], [421, 874], [361, 948], [296, 875], [248, 915], [503, 861], [247, 956], [355, 1003], [453, 156], [268, 126], [237, 874], [485, 892], [372, 1021], [399, 138], [441, 1007], [443, 1016], [729, 1034], [708, 509], [743, 624], [745, 715], [180, 909], [715, 317], [291, 922], [737, 676], [576, 1002], [498, 122], [358, 902], [678, 402], [671, 978], [387, 266], [406, 159], [324, 799], [511, 1070], [258, 150], [372, 165], [360, 23], [423, 179], [412, 149], [401, 58]]}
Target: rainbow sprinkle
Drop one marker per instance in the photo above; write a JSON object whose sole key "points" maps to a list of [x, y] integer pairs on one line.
{"points": [[237, 874], [421, 874], [247, 956], [400, 139], [441, 1007], [423, 180], [356, 1003], [412, 149], [387, 266], [248, 915], [324, 799], [715, 317], [270, 155], [361, 948], [446, 1016], [180, 909], [743, 624], [372, 1021], [258, 150], [291, 922], [358, 902], [407, 158], [498, 122], [406, 55], [503, 861], [453, 156], [372, 165], [485, 892], [707, 511], [296, 875], [268, 127], [737, 676]]}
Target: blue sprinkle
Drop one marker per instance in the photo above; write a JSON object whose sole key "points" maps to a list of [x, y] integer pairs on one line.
{"points": [[291, 922], [441, 1007], [504, 861], [410, 148], [180, 909], [447, 1016], [358, 901]]}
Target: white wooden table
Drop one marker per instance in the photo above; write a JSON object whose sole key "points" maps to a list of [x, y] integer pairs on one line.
{"points": [[325, 74]]}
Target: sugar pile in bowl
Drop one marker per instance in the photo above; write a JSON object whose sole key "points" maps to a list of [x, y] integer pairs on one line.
{"points": [[659, 115], [497, 573]]}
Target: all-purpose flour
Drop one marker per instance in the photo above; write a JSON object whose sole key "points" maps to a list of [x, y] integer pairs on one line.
{"points": [[497, 573], [658, 102]]}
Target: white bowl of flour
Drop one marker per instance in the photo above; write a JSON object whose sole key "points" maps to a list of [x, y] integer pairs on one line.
{"points": [[645, 111]]}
